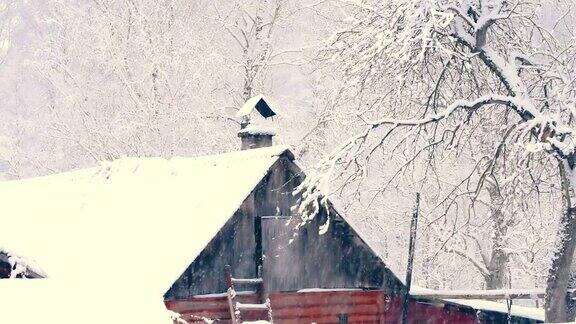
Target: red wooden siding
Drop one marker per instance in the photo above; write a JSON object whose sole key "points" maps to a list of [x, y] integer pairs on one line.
{"points": [[325, 307]]}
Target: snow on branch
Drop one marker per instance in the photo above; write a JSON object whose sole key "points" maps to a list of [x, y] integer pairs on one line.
{"points": [[316, 188], [465, 104], [430, 59], [480, 267]]}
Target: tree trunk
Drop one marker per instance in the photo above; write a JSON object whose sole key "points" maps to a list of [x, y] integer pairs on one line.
{"points": [[557, 302], [495, 280], [497, 265]]}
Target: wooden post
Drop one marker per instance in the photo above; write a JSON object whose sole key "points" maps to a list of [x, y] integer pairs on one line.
{"points": [[228, 276], [411, 247], [260, 292], [231, 294]]}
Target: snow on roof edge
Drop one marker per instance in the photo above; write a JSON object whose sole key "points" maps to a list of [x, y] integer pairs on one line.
{"points": [[252, 129], [275, 150], [16, 259], [481, 304], [249, 106], [491, 306]]}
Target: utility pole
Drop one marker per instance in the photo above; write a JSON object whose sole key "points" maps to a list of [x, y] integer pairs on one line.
{"points": [[411, 247]]}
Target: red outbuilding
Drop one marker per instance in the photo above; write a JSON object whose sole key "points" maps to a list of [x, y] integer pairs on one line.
{"points": [[219, 236]]}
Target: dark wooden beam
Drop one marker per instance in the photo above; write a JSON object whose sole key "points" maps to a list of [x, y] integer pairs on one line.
{"points": [[258, 257], [411, 248]]}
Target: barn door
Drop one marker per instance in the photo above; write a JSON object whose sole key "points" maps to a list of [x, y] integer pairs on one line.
{"points": [[284, 268]]}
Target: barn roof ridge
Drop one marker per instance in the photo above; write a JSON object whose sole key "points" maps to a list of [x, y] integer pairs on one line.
{"points": [[271, 151]]}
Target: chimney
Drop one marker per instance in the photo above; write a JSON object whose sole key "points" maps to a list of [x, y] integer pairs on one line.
{"points": [[255, 136]]}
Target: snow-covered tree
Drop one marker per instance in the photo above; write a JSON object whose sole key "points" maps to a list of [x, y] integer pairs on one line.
{"points": [[434, 72], [104, 79]]}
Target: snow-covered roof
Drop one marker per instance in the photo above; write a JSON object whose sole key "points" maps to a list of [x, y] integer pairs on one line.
{"points": [[485, 305], [21, 264], [123, 231], [257, 102], [491, 306], [253, 129]]}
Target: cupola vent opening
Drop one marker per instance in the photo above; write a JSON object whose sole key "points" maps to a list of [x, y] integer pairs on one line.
{"points": [[252, 135]]}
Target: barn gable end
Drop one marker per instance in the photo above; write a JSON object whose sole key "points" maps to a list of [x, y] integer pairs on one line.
{"points": [[337, 259]]}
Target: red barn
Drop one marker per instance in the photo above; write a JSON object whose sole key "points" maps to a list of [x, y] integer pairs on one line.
{"points": [[122, 234], [308, 277], [335, 277]]}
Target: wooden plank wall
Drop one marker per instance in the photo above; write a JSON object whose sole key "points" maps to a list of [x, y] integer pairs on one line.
{"points": [[234, 245], [337, 259], [326, 307]]}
